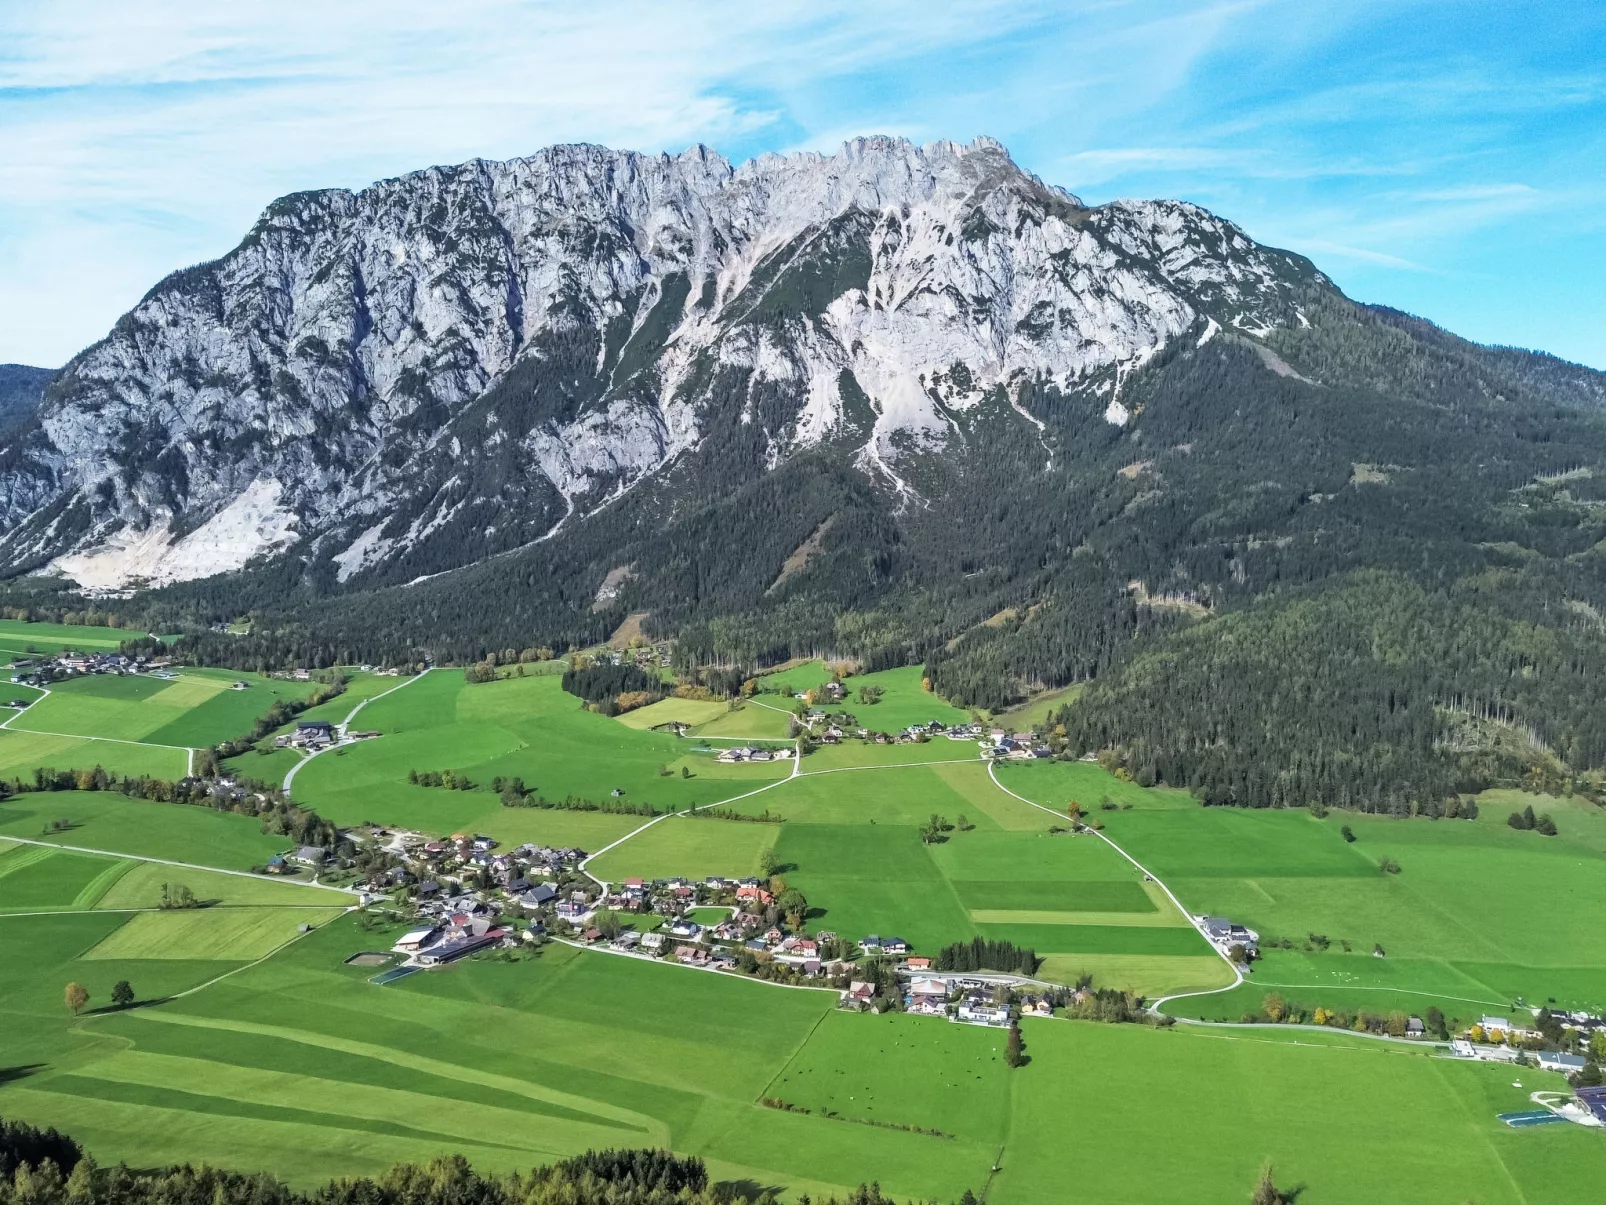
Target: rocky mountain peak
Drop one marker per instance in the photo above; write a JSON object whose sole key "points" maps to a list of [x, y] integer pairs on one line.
{"points": [[458, 361]]}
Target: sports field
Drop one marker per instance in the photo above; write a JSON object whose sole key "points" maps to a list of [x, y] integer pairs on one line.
{"points": [[300, 1066], [1479, 915]]}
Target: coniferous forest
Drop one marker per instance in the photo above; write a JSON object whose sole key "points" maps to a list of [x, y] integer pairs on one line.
{"points": [[1359, 563]]}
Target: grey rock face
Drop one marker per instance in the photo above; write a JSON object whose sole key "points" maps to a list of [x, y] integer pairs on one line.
{"points": [[451, 364]]}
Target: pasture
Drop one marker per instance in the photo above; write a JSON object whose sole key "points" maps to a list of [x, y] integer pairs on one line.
{"points": [[197, 709], [517, 727], [23, 752], [19, 638], [1479, 914], [682, 711], [300, 1066], [695, 847], [238, 934], [108, 821]]}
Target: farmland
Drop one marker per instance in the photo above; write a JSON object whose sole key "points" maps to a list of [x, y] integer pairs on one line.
{"points": [[518, 727], [268, 1051], [1479, 914], [514, 1063]]}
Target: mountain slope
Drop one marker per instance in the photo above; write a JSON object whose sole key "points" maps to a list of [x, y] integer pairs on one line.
{"points": [[21, 389], [450, 364]]}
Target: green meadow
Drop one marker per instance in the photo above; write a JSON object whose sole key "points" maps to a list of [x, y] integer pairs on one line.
{"points": [[1478, 916], [198, 709], [517, 727], [108, 821], [21, 639], [23, 752], [301, 1066], [695, 847]]}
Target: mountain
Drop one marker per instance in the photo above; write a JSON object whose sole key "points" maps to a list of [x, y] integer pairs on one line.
{"points": [[21, 389], [899, 404], [452, 364]]}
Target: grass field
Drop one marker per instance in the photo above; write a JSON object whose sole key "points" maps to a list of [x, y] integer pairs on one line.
{"points": [[20, 639], [752, 721], [141, 887], [198, 709], [666, 711], [36, 878], [1479, 915], [300, 1066], [1036, 711], [209, 934], [104, 820], [523, 727], [692, 847], [22, 752]]}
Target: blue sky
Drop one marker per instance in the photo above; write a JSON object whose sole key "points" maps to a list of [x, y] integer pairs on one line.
{"points": [[1447, 159]]}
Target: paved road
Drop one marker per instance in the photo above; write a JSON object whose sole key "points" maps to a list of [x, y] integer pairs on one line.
{"points": [[1238, 975], [343, 725]]}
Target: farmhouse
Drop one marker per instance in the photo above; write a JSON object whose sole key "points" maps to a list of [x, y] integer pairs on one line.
{"points": [[414, 940]]}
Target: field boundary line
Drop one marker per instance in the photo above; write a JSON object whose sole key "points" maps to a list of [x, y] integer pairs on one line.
{"points": [[342, 726], [903, 765], [589, 858], [665, 962], [244, 874], [1238, 975]]}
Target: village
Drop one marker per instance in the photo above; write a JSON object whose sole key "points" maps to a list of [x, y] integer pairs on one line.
{"points": [[466, 897]]}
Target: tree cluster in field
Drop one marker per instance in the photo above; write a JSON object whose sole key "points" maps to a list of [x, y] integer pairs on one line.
{"points": [[601, 683], [451, 780], [935, 831], [1526, 820], [1276, 1009], [986, 954], [1110, 1005], [177, 896], [43, 1167], [717, 813], [514, 794]]}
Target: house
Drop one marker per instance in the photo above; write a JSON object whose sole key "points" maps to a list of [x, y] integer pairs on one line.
{"points": [[755, 895], [918, 963], [1494, 1025], [928, 996], [692, 956], [860, 993], [1551, 1060], [685, 928], [627, 940], [320, 729], [310, 855], [1414, 1027], [895, 946], [456, 946], [652, 941], [414, 940], [1463, 1049], [975, 1010]]}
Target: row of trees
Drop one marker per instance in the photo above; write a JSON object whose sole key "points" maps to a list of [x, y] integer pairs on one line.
{"points": [[986, 954], [44, 1167]]}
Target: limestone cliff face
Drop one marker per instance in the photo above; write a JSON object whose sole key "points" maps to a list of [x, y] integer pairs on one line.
{"points": [[453, 363]]}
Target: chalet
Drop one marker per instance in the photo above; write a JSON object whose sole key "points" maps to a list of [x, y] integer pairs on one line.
{"points": [[980, 1011], [860, 993], [652, 941], [310, 855], [321, 730], [1414, 1027]]}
